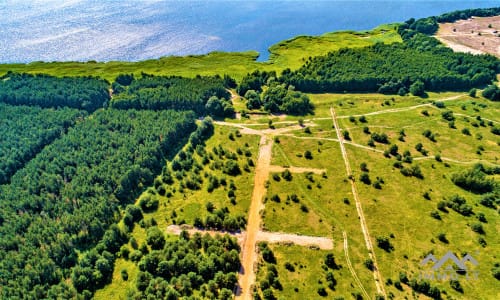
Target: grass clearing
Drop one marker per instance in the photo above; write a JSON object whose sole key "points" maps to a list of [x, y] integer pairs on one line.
{"points": [[308, 273], [192, 203], [411, 241]]}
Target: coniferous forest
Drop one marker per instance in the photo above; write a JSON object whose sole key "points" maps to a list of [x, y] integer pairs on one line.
{"points": [[395, 68]]}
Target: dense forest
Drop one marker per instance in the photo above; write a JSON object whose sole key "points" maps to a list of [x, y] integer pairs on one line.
{"points": [[420, 63], [205, 264], [67, 196], [204, 95], [26, 130], [85, 93]]}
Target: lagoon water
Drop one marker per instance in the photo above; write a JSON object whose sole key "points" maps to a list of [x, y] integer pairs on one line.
{"points": [[104, 30]]}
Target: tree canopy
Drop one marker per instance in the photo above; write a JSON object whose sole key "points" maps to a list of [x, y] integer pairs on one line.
{"points": [[86, 93], [68, 195], [173, 92]]}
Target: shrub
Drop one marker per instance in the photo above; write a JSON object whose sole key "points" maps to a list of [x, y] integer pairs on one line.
{"points": [[365, 178], [231, 167], [435, 214], [276, 177], [149, 203], [330, 261], [287, 175], [308, 154], [474, 180], [455, 284], [322, 292], [393, 149], [124, 274], [155, 238], [442, 238], [496, 271], [448, 115], [417, 88], [346, 135], [384, 243], [369, 264], [380, 138], [477, 227]]}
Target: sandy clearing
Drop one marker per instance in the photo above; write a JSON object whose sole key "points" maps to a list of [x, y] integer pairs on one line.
{"points": [[455, 46], [278, 169], [475, 35], [302, 240]]}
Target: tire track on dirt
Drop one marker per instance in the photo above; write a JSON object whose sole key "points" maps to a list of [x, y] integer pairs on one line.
{"points": [[364, 228], [351, 269]]}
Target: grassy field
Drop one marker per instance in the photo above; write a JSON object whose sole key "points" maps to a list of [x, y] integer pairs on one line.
{"points": [[287, 54], [398, 210], [414, 231], [308, 273]]}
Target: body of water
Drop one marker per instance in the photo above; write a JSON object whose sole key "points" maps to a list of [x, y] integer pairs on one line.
{"points": [[54, 30]]}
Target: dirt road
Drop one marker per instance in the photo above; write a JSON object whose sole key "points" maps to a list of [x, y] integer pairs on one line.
{"points": [[249, 256]]}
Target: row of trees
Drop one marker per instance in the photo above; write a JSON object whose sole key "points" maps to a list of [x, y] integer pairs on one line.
{"points": [[26, 130], [87, 93], [204, 95], [418, 63], [65, 198]]}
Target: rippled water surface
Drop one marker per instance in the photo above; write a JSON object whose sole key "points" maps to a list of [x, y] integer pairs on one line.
{"points": [[136, 30]]}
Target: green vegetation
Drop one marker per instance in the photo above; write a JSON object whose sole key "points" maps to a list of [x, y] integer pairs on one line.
{"points": [[419, 63], [46, 91], [198, 265], [65, 198], [201, 94], [204, 185], [26, 130], [90, 196], [276, 97]]}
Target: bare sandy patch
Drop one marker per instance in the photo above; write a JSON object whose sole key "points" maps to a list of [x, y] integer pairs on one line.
{"points": [[475, 35]]}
